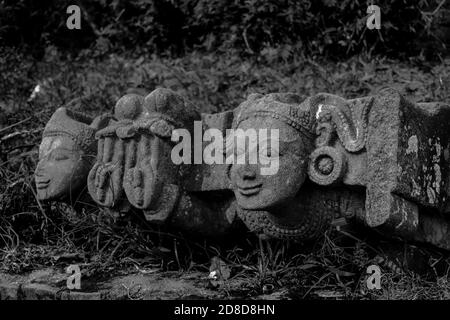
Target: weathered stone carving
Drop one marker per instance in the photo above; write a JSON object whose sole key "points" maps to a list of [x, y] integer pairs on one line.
{"points": [[386, 157], [134, 164], [66, 154], [281, 205], [408, 168], [380, 160], [402, 163]]}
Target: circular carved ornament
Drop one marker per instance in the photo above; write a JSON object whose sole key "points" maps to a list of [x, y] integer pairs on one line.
{"points": [[327, 166]]}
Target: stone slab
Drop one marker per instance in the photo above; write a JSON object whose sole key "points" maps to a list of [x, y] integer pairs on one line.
{"points": [[46, 284]]}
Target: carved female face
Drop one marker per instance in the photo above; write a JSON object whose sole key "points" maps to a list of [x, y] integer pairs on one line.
{"points": [[255, 191], [62, 168]]}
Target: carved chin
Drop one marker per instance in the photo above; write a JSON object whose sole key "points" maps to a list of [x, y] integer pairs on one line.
{"points": [[51, 192], [47, 193], [251, 201]]}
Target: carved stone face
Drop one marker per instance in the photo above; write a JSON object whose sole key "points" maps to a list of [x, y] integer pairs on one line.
{"points": [[254, 191], [62, 168]]}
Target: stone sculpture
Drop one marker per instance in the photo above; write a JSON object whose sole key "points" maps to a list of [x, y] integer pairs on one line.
{"points": [[380, 161], [282, 205], [66, 155], [134, 165]]}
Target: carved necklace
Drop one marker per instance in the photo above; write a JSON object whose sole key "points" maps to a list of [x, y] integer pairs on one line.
{"points": [[318, 212]]}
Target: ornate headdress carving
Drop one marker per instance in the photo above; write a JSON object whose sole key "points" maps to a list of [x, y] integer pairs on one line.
{"points": [[75, 125], [159, 113], [287, 107], [348, 118]]}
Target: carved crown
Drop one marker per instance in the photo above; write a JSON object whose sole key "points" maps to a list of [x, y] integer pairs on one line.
{"points": [[74, 125], [287, 107], [159, 113]]}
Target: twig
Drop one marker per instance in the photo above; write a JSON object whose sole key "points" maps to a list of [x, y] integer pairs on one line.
{"points": [[359, 240], [244, 35], [430, 15], [114, 251], [438, 7], [39, 203], [315, 284], [15, 124]]}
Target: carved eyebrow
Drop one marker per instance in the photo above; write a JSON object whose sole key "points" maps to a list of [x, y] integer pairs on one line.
{"points": [[299, 140], [64, 149]]}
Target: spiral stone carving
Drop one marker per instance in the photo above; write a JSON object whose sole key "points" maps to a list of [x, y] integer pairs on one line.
{"points": [[349, 119]]}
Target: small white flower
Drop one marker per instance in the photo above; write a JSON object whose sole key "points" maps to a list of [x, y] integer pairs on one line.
{"points": [[35, 92]]}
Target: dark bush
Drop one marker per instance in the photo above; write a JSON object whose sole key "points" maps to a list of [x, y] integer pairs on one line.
{"points": [[320, 27]]}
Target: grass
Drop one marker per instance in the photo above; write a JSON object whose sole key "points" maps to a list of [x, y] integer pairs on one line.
{"points": [[34, 234]]}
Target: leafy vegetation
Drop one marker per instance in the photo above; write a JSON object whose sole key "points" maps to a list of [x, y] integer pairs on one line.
{"points": [[326, 27]]}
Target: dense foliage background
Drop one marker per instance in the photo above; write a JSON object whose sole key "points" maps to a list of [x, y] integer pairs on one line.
{"points": [[326, 27]]}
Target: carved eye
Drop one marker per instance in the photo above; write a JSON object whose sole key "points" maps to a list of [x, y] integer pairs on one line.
{"points": [[269, 149], [269, 153], [59, 155]]}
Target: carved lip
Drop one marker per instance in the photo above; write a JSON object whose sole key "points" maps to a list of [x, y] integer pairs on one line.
{"points": [[42, 184], [249, 190]]}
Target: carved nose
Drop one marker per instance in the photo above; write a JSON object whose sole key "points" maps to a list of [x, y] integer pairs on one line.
{"points": [[247, 172], [39, 169]]}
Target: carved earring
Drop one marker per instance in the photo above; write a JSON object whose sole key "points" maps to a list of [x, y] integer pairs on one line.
{"points": [[327, 166]]}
